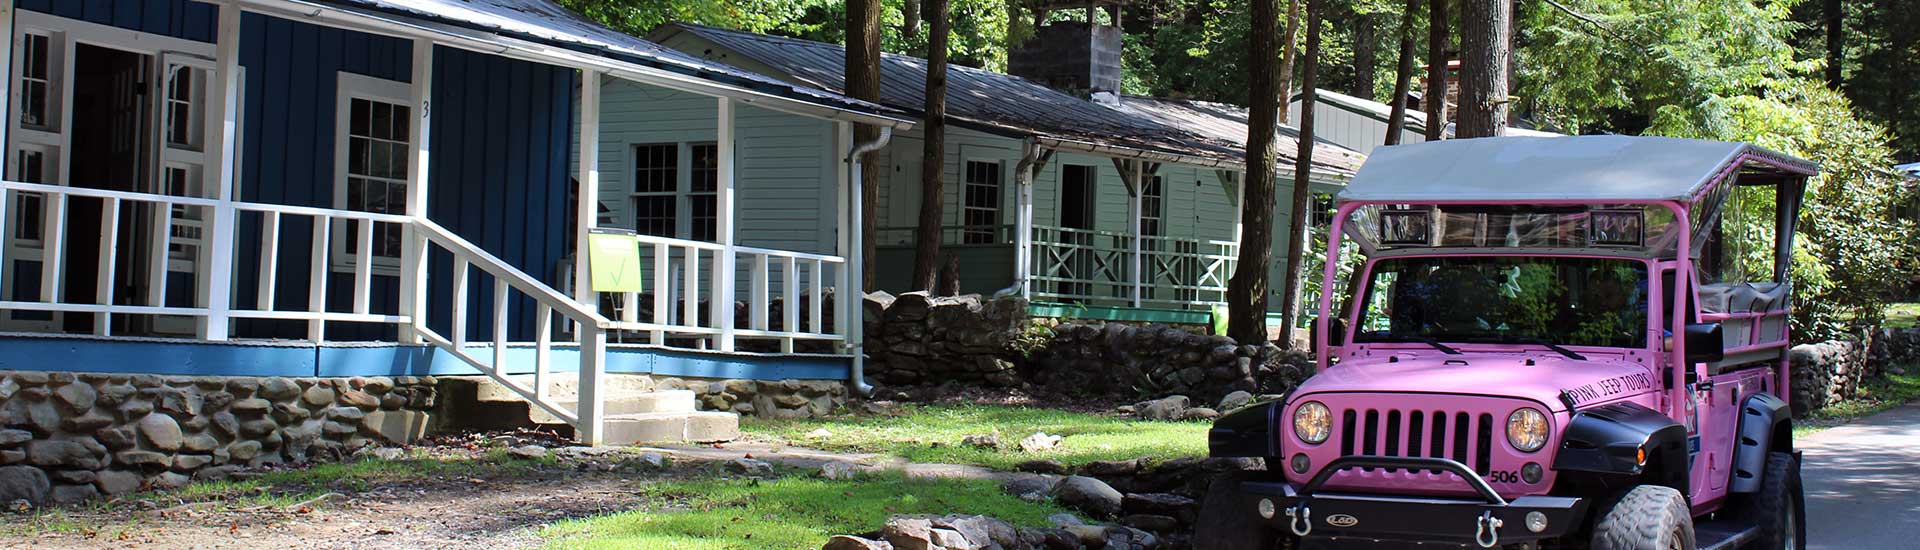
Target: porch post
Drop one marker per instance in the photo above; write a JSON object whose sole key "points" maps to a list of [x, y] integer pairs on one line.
{"points": [[413, 259], [1239, 200], [6, 119], [586, 211], [724, 275], [1136, 172], [217, 287], [591, 422]]}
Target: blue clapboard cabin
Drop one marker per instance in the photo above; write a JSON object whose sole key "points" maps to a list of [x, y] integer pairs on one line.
{"points": [[336, 188]]}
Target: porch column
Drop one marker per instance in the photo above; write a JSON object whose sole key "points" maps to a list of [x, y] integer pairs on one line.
{"points": [[1238, 196], [216, 289], [724, 275], [6, 119], [590, 429], [413, 258], [1136, 172], [586, 211]]}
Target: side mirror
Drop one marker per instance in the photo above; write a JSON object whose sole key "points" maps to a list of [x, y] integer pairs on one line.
{"points": [[1705, 344], [1337, 332]]}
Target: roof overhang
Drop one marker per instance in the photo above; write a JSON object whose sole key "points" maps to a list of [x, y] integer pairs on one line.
{"points": [[355, 18]]}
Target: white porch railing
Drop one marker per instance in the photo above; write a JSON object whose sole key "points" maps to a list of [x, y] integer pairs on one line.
{"points": [[679, 306], [160, 258]]}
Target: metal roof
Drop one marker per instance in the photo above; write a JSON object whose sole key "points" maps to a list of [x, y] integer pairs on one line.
{"points": [[546, 22], [1228, 123], [1572, 168], [982, 99]]}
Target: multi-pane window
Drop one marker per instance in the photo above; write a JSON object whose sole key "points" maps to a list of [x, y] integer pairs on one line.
{"points": [[980, 202], [377, 147], [1153, 201], [662, 204], [656, 186], [36, 81], [31, 169], [182, 88], [703, 198]]}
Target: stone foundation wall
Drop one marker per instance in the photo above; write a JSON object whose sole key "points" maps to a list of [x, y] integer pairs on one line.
{"points": [[778, 399], [67, 437]]}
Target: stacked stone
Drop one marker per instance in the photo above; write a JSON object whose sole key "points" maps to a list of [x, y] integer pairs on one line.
{"points": [[1896, 347], [1120, 359], [915, 338], [1827, 372], [91, 434], [779, 399]]}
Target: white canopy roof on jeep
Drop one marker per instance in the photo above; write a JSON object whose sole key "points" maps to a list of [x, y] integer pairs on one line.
{"points": [[1590, 169]]}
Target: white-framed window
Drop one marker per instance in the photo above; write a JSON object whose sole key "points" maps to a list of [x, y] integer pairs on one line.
{"points": [[37, 91], [185, 93], [372, 162], [980, 202], [1153, 207], [676, 190]]}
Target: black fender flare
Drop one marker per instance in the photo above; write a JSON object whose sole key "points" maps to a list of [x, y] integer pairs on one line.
{"points": [[1608, 440], [1766, 425], [1250, 432]]}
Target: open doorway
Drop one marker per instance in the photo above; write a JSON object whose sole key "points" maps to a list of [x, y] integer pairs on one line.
{"points": [[110, 147], [1077, 184]]}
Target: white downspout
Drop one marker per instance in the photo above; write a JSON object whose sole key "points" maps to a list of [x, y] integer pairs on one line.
{"points": [[855, 303]]}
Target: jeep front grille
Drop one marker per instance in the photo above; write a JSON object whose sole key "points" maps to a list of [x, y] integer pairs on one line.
{"points": [[1463, 437]]}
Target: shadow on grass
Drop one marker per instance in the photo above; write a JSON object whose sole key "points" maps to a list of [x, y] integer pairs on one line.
{"points": [[933, 433], [791, 512]]}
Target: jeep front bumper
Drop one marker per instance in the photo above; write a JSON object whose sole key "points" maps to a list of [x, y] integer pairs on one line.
{"points": [[1488, 521]]}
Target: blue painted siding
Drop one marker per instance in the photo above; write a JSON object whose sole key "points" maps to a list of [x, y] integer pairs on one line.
{"points": [[210, 359], [176, 18], [292, 84], [501, 151]]}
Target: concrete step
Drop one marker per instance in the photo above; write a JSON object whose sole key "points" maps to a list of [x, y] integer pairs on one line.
{"points": [[561, 386], [680, 427], [663, 401]]}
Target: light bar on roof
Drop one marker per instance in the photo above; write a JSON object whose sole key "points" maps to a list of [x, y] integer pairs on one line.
{"points": [[1617, 227], [1406, 227]]}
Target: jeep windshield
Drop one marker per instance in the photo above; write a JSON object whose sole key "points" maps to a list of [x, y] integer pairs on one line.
{"points": [[1506, 299]]}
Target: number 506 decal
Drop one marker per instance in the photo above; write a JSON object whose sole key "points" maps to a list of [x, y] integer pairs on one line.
{"points": [[1503, 477]]}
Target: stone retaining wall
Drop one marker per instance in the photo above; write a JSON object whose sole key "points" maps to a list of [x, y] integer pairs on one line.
{"points": [[916, 338], [778, 399], [1828, 372], [67, 437]]}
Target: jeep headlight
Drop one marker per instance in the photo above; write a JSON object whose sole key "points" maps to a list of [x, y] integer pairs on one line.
{"points": [[1527, 429], [1312, 423]]}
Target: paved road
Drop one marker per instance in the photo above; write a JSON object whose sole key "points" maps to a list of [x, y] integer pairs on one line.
{"points": [[1863, 482]]}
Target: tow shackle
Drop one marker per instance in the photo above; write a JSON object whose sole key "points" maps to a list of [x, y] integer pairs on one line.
{"points": [[1488, 532], [1300, 519]]}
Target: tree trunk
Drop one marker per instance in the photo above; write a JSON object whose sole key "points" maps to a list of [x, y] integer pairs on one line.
{"points": [[926, 245], [1836, 43], [863, 82], [1435, 100], [1365, 54], [1297, 241], [1285, 76], [1403, 75], [1483, 68], [1247, 290]]}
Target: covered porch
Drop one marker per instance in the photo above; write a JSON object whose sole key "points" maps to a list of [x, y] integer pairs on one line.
{"points": [[193, 226]]}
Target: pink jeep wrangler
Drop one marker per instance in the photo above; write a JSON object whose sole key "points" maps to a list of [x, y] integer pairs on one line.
{"points": [[1574, 341]]}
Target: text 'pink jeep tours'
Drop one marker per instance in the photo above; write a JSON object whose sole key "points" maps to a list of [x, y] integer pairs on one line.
{"points": [[1568, 342]]}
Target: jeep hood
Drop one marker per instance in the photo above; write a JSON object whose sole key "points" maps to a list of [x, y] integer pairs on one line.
{"points": [[1593, 381]]}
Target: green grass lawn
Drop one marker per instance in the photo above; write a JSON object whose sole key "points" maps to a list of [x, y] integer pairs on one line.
{"points": [[784, 513], [933, 433], [1903, 315], [1879, 395]]}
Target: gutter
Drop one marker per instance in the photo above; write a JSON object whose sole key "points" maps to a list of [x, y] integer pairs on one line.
{"points": [[856, 261], [488, 42]]}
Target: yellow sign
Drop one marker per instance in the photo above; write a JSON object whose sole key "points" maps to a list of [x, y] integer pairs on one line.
{"points": [[615, 261]]}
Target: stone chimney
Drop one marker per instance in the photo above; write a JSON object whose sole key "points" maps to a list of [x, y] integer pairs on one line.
{"points": [[1077, 57]]}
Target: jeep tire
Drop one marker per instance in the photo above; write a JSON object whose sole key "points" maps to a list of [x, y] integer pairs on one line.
{"points": [[1778, 508], [1226, 522], [1645, 517]]}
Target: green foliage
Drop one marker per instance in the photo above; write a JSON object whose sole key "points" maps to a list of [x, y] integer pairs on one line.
{"points": [[784, 513], [1875, 396], [978, 35], [933, 433]]}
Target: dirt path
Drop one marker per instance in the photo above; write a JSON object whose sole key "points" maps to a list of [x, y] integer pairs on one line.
{"points": [[487, 509]]}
